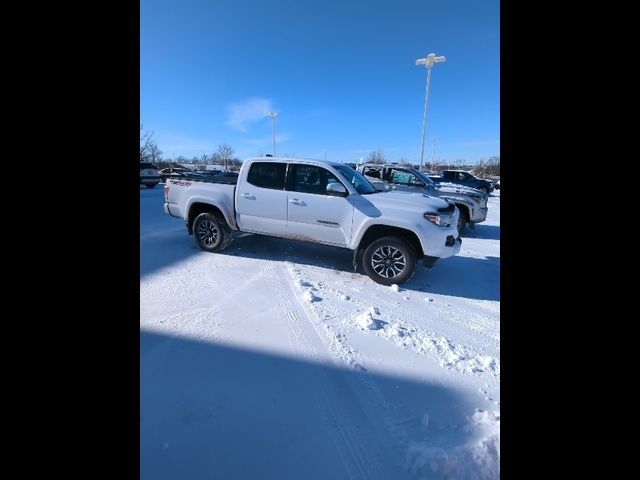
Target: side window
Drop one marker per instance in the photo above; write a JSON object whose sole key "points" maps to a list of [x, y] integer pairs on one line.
{"points": [[311, 179], [400, 177], [372, 172], [267, 175]]}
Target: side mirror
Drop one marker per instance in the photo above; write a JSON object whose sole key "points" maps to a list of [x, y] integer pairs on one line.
{"points": [[419, 184], [336, 190]]}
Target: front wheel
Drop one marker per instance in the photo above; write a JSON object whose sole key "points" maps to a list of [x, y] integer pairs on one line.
{"points": [[211, 233], [389, 260], [462, 221]]}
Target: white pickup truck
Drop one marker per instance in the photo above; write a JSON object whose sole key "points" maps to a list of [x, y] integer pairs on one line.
{"points": [[322, 202]]}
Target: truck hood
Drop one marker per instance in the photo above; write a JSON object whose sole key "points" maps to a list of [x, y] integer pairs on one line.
{"points": [[407, 202], [448, 187]]}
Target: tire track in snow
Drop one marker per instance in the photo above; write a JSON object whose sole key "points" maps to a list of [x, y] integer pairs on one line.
{"points": [[363, 459], [482, 324]]}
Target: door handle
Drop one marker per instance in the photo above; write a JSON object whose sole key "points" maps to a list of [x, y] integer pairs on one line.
{"points": [[248, 195], [297, 201]]}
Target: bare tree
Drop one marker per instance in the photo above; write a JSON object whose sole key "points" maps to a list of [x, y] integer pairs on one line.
{"points": [[224, 154], [404, 161], [149, 151], [377, 157]]}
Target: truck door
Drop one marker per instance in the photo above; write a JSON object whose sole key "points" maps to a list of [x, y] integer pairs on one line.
{"points": [[402, 181], [261, 200], [312, 213]]}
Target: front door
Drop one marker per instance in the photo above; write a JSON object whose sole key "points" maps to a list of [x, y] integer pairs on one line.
{"points": [[312, 214]]}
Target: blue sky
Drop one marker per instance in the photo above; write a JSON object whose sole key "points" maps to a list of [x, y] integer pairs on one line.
{"points": [[342, 74]]}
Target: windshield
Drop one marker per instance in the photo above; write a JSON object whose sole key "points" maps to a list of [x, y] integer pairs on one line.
{"points": [[361, 184]]}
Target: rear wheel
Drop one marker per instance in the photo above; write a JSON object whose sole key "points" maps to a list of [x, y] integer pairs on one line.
{"points": [[389, 260], [211, 233]]}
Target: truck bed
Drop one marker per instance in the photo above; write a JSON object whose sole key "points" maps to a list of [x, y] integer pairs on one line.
{"points": [[182, 193], [212, 179]]}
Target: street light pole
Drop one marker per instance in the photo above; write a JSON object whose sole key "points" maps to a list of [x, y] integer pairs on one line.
{"points": [[428, 63], [273, 116], [433, 152]]}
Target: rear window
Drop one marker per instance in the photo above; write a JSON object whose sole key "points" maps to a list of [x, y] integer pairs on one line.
{"points": [[267, 175], [146, 166]]}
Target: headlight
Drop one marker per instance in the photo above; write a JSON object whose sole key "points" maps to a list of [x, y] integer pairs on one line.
{"points": [[477, 198], [439, 219]]}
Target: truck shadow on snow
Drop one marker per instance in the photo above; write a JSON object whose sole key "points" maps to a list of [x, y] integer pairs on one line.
{"points": [[163, 239], [475, 278], [486, 232], [214, 411]]}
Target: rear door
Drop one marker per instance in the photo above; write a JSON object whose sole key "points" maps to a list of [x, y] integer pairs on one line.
{"points": [[312, 214], [261, 200]]}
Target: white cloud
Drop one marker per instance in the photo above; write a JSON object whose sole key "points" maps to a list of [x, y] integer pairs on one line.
{"points": [[251, 110]]}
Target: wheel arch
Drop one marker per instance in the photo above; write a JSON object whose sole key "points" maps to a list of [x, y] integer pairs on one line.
{"points": [[378, 231], [200, 207]]}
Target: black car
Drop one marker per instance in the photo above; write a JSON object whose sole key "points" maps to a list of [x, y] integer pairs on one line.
{"points": [[173, 173]]}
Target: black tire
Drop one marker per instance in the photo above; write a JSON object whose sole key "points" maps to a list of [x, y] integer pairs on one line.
{"points": [[389, 260], [150, 185], [462, 221], [211, 233]]}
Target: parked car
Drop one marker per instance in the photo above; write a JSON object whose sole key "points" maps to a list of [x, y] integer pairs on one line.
{"points": [[174, 172], [463, 178], [322, 202], [472, 203], [206, 173], [497, 185], [149, 175]]}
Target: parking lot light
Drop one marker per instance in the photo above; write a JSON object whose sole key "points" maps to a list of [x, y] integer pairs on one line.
{"points": [[428, 63]]}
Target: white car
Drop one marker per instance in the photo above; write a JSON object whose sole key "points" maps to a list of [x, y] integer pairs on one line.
{"points": [[149, 175]]}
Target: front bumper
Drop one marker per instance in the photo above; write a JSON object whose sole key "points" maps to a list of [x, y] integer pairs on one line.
{"points": [[428, 261], [479, 214]]}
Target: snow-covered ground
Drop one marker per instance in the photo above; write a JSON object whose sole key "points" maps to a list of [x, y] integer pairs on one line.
{"points": [[273, 360]]}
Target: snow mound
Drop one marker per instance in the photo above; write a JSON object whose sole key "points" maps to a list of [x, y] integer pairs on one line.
{"points": [[395, 287], [309, 297], [344, 297], [395, 330], [366, 321]]}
